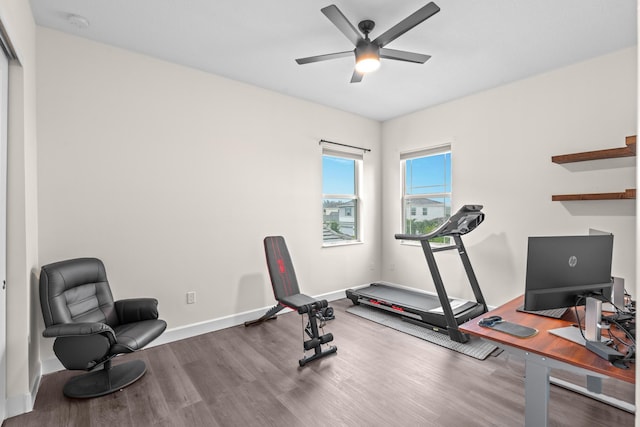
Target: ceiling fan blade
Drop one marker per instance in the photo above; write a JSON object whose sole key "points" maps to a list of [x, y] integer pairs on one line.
{"points": [[402, 55], [356, 77], [318, 58], [406, 24], [339, 20]]}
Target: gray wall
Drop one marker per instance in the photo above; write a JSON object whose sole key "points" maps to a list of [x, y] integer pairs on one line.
{"points": [[173, 177], [502, 143], [142, 163]]}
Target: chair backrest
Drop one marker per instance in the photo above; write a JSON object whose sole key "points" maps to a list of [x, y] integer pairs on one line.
{"points": [[75, 291], [283, 277]]}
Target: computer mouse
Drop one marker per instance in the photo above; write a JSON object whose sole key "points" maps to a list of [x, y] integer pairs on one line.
{"points": [[490, 321]]}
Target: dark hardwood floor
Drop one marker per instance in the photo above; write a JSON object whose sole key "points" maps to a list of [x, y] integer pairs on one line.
{"points": [[379, 377]]}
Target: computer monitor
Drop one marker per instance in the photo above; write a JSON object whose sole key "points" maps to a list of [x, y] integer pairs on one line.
{"points": [[562, 269]]}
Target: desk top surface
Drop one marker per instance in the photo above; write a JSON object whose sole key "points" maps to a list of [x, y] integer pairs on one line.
{"points": [[545, 343]]}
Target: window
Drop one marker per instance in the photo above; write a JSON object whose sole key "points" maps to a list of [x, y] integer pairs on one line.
{"points": [[340, 201], [426, 199]]}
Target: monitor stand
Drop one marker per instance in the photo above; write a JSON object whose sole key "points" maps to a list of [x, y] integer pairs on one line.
{"points": [[572, 333], [617, 296], [593, 317]]}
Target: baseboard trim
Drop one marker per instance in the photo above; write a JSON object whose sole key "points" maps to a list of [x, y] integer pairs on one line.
{"points": [[195, 329], [182, 332], [21, 404], [36, 386], [51, 365]]}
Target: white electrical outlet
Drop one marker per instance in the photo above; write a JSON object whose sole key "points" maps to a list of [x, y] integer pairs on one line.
{"points": [[191, 297]]}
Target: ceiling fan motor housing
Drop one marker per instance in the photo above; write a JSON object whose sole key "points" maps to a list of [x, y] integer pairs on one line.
{"points": [[366, 49], [366, 27]]}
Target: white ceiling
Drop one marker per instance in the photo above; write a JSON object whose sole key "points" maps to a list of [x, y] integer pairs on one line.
{"points": [[475, 45]]}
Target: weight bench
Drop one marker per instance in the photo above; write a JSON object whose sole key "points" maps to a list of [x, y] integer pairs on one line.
{"points": [[287, 293]]}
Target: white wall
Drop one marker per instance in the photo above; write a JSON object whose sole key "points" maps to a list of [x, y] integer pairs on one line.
{"points": [[173, 177], [139, 161], [502, 143], [23, 364], [150, 166]]}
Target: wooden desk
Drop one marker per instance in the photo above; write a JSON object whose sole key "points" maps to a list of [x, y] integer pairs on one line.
{"points": [[545, 351]]}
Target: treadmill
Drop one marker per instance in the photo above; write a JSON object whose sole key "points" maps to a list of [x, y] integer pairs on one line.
{"points": [[437, 312]]}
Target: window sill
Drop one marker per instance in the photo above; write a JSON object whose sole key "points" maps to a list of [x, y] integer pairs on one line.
{"points": [[348, 243]]}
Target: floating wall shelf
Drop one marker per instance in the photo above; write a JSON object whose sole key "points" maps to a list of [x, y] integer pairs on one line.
{"points": [[627, 194], [610, 153]]}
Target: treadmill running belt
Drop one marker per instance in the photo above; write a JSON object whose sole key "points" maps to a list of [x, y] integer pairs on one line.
{"points": [[409, 299]]}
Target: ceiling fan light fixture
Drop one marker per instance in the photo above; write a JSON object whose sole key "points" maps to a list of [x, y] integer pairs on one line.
{"points": [[367, 65], [367, 57]]}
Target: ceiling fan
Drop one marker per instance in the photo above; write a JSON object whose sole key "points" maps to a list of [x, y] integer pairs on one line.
{"points": [[368, 52]]}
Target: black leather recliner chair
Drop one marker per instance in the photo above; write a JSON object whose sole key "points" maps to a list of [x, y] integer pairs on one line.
{"points": [[91, 328]]}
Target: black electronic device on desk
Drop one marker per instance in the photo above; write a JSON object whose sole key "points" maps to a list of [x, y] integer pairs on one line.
{"points": [[437, 312], [571, 271], [561, 269], [624, 319], [568, 271]]}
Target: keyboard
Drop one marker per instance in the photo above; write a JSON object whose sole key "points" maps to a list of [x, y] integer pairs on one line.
{"points": [[556, 313]]}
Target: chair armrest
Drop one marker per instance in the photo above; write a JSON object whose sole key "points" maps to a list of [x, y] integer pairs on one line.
{"points": [[79, 329], [136, 309]]}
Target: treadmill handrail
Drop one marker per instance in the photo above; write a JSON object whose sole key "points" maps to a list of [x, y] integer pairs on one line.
{"points": [[412, 236], [468, 215]]}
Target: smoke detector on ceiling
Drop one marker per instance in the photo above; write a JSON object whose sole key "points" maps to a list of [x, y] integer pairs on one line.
{"points": [[78, 21]]}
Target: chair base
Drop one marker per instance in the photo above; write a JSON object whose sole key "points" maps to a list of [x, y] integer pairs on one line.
{"points": [[104, 381]]}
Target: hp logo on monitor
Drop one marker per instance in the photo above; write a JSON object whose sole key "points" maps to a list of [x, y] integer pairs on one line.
{"points": [[573, 261]]}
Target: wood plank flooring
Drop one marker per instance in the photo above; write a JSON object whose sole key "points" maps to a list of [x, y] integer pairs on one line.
{"points": [[379, 377]]}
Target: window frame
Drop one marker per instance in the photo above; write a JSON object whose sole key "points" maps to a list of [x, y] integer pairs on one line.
{"points": [[416, 154], [358, 158]]}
